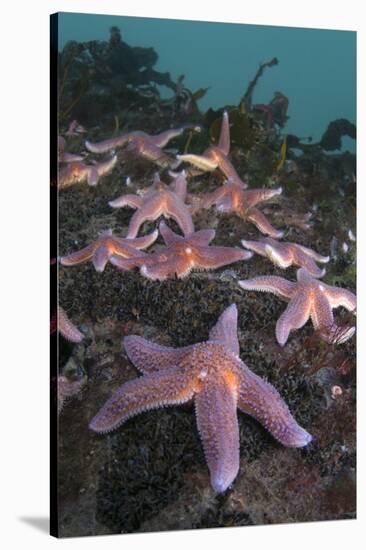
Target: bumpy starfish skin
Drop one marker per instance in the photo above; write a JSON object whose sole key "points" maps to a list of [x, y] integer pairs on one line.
{"points": [[159, 200], [213, 375], [77, 172], [182, 254], [232, 197], [140, 143], [216, 156], [67, 328], [286, 254], [108, 245], [309, 297]]}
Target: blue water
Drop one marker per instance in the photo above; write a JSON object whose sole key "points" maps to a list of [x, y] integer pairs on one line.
{"points": [[317, 68]]}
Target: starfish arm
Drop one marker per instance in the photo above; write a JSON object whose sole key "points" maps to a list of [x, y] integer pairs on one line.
{"points": [[80, 256], [269, 283], [217, 424], [295, 316], [70, 157], [101, 257], [279, 255], [153, 153], [168, 234], [134, 201], [207, 257], [304, 260], [141, 242], [201, 161], [228, 204], [158, 389], [261, 222], [180, 186], [224, 139], [321, 314], [215, 197], [108, 144], [126, 264], [254, 196], [323, 321], [203, 237], [317, 257], [176, 209], [162, 139], [106, 166], [150, 357], [257, 246], [67, 328], [229, 171], [150, 210], [341, 297], [225, 331], [92, 175], [162, 270], [222, 198], [262, 401]]}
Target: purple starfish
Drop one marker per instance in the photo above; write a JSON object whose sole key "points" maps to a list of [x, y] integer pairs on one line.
{"points": [[233, 197], [77, 172], [106, 245], [182, 254], [212, 374], [308, 297], [158, 200], [216, 156], [141, 144], [286, 254]]}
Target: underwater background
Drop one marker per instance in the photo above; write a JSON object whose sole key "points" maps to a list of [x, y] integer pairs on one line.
{"points": [[317, 68], [280, 87]]}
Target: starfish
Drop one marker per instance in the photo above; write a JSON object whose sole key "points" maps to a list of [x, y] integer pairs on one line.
{"points": [[108, 245], [182, 254], [308, 297], [216, 156], [286, 254], [76, 172], [212, 374], [141, 144], [232, 197], [158, 200], [67, 328]]}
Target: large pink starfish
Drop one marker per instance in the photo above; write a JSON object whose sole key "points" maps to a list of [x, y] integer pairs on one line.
{"points": [[108, 245], [216, 156], [77, 172], [212, 374], [158, 200], [308, 297], [232, 197], [141, 144], [182, 254], [286, 254]]}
